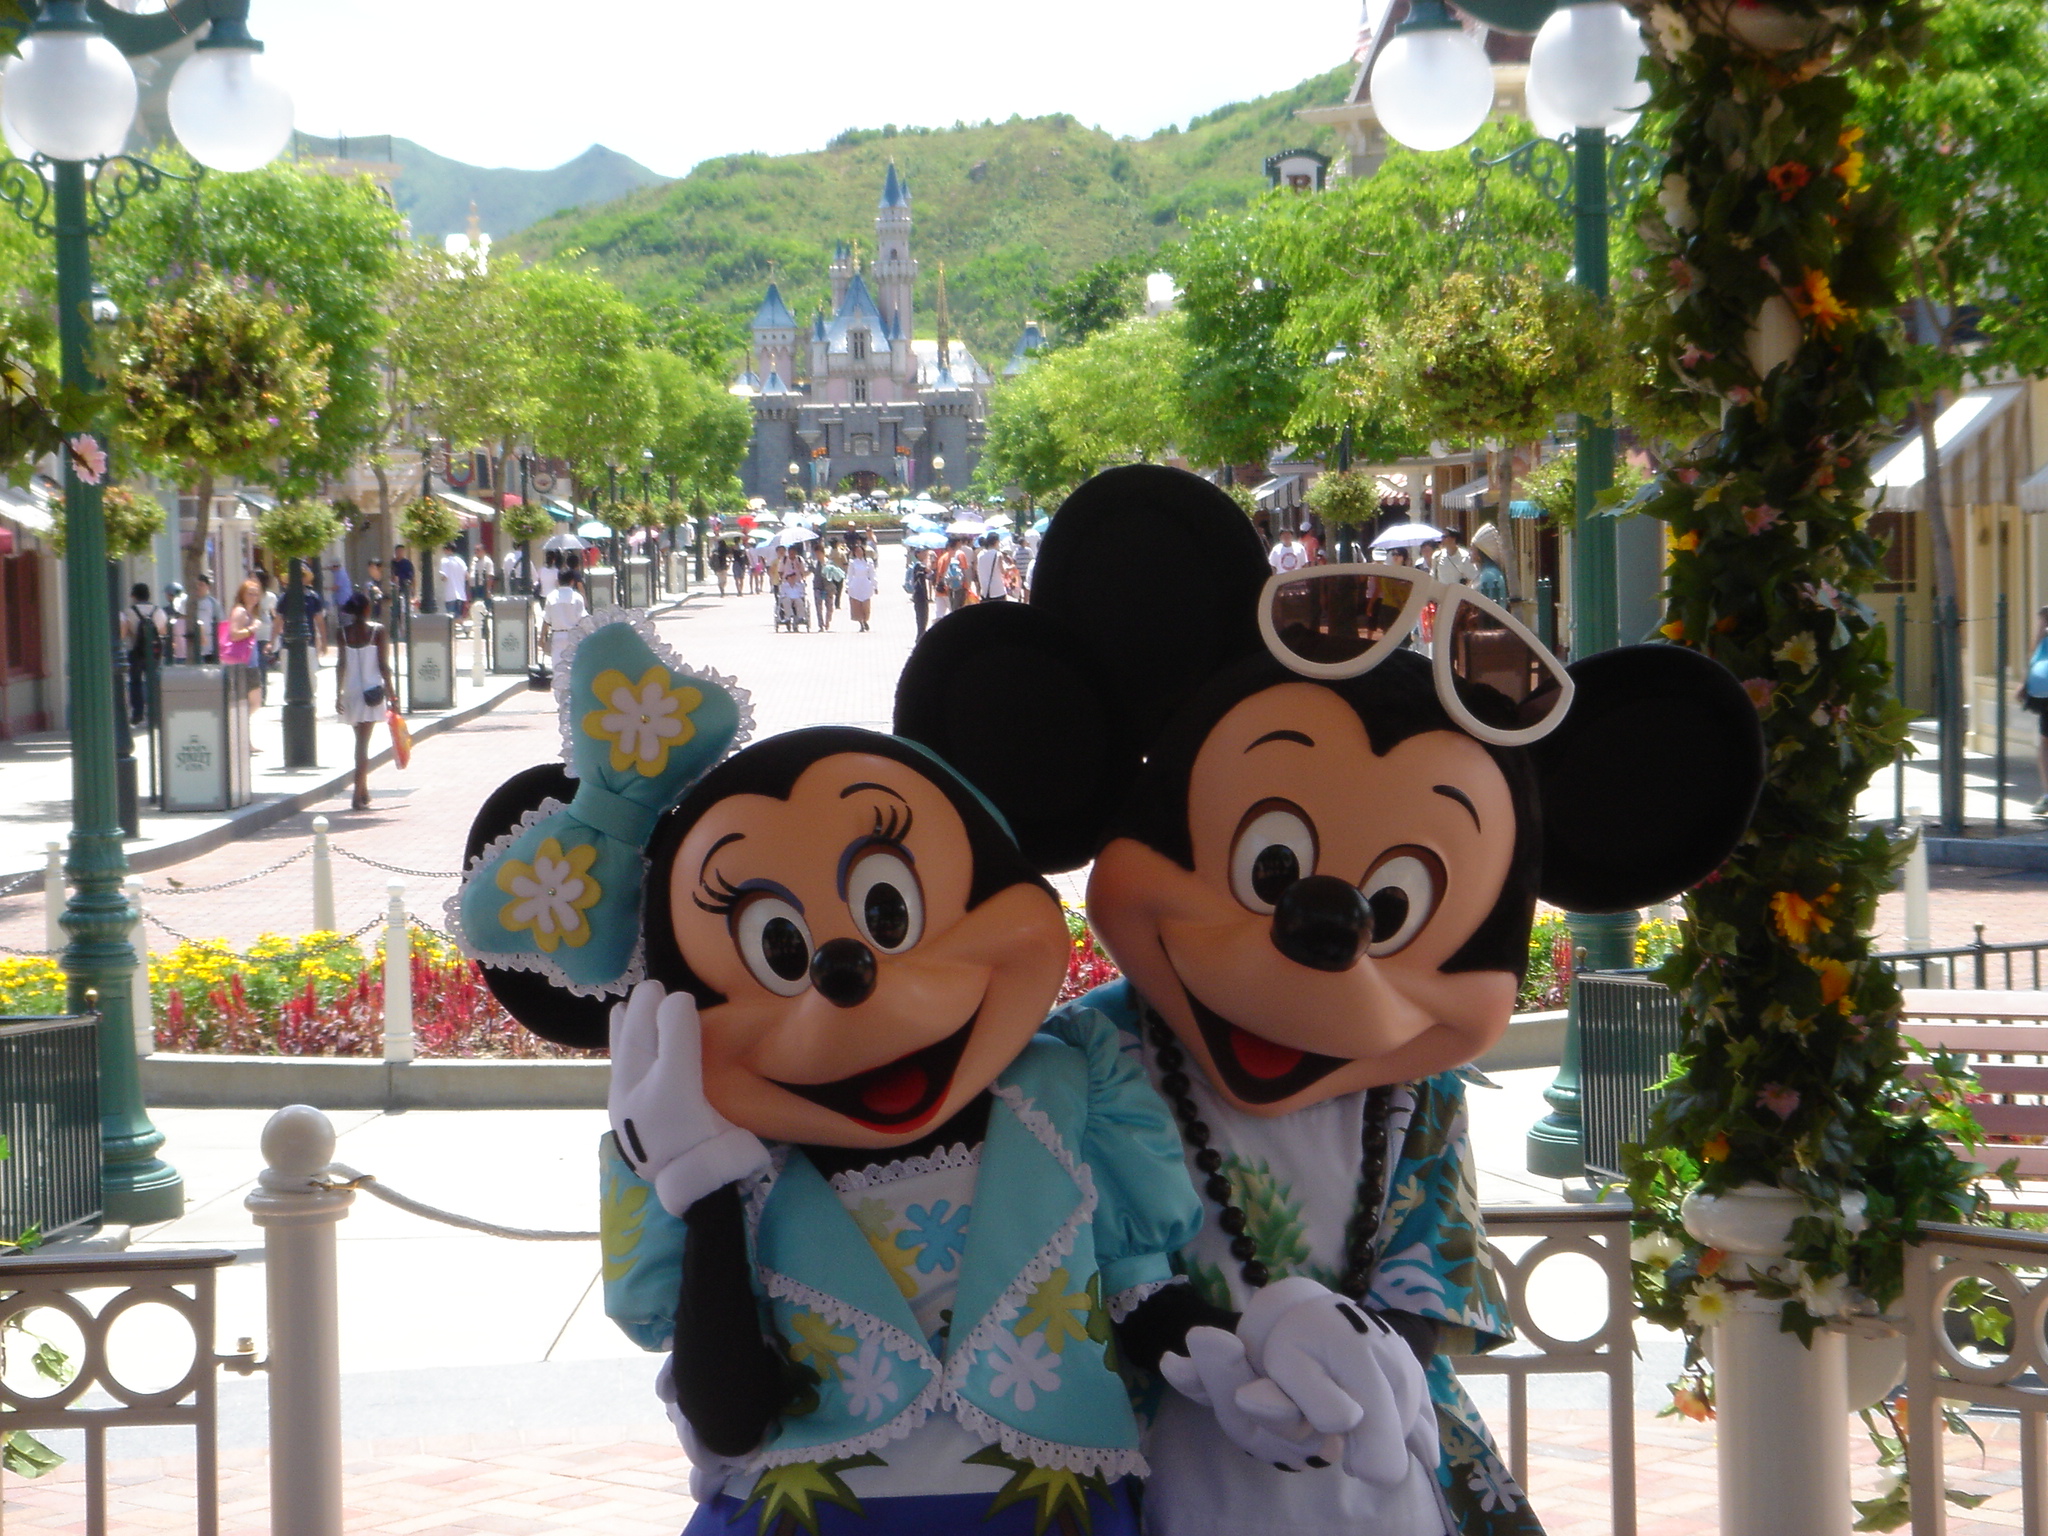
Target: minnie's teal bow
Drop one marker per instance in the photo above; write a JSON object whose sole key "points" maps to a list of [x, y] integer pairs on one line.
{"points": [[560, 893]]}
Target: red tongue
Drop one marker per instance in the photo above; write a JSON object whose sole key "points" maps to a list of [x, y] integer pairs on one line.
{"points": [[1263, 1058], [896, 1093]]}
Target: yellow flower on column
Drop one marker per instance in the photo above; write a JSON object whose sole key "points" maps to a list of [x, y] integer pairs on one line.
{"points": [[550, 895], [642, 721]]}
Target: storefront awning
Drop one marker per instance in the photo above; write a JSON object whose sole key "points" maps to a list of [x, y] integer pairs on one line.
{"points": [[473, 512], [256, 501], [1896, 480], [2034, 491], [1467, 497], [26, 513], [1274, 491]]}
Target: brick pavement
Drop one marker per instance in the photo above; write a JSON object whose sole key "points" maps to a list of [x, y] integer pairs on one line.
{"points": [[600, 1482]]}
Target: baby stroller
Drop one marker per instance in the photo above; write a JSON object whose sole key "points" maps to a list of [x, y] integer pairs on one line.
{"points": [[792, 611]]}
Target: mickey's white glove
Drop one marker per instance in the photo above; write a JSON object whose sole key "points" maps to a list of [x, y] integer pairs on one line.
{"points": [[666, 1128], [1213, 1373], [708, 1469], [1322, 1356]]}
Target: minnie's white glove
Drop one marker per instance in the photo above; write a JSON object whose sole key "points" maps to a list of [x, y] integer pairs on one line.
{"points": [[708, 1469], [1214, 1372], [666, 1128], [1322, 1356]]}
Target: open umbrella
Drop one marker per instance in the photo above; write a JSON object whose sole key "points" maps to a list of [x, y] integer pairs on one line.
{"points": [[967, 526], [1041, 525], [925, 539], [790, 536], [997, 519], [564, 541], [1406, 536], [594, 530]]}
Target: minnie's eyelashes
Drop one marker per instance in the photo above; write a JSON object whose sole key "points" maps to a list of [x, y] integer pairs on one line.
{"points": [[892, 823], [719, 900]]}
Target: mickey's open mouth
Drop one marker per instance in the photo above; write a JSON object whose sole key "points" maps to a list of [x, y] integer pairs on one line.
{"points": [[899, 1095], [1257, 1070]]}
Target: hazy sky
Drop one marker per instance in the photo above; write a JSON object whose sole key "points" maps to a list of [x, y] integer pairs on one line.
{"points": [[672, 82]]}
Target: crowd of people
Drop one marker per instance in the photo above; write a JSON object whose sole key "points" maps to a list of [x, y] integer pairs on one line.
{"points": [[1448, 557]]}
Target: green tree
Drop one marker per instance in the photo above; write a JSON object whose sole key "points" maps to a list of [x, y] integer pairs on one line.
{"points": [[1112, 400], [1241, 386], [1107, 294], [594, 398], [327, 246], [700, 428], [215, 377]]}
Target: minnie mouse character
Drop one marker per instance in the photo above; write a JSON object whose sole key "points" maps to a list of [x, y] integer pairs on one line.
{"points": [[1317, 850], [887, 1237]]}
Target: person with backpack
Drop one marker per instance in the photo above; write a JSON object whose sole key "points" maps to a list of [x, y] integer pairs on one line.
{"points": [[954, 589], [142, 636]]}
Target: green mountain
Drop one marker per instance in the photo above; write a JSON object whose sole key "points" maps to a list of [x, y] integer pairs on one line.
{"points": [[435, 192], [1012, 209]]}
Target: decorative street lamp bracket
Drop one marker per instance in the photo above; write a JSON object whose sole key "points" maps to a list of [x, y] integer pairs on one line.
{"points": [[29, 188]]}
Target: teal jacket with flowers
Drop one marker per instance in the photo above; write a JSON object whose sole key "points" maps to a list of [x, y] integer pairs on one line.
{"points": [[1081, 1199]]}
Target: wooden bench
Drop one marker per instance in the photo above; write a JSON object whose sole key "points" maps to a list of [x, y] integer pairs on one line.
{"points": [[1990, 1029]]}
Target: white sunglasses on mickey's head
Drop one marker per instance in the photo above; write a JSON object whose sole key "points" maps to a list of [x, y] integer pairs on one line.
{"points": [[1494, 678]]}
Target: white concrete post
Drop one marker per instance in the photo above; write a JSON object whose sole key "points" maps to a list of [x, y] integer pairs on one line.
{"points": [[298, 1215], [53, 897], [1919, 926], [476, 646], [139, 1000], [1781, 1409], [397, 979], [323, 878]]}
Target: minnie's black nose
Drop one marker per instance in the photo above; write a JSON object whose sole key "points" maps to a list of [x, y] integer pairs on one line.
{"points": [[844, 970], [1321, 922]]}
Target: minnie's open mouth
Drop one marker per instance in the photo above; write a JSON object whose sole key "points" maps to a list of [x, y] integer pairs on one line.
{"points": [[1255, 1069], [899, 1095]]}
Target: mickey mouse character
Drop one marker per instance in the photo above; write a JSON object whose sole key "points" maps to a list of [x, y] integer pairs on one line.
{"points": [[1317, 849], [885, 1235]]}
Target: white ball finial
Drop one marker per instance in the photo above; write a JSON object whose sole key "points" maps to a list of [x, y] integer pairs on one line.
{"points": [[298, 1140]]}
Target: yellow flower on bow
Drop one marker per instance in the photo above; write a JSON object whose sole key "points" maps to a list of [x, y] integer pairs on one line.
{"points": [[817, 1341], [1815, 300], [1060, 1312], [550, 895], [1850, 167], [1686, 542], [1834, 981], [643, 721]]}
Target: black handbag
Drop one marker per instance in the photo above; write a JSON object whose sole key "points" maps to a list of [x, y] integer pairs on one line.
{"points": [[374, 696]]}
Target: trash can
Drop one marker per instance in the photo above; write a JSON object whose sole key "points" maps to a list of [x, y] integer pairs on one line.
{"points": [[205, 737], [639, 583], [430, 662], [511, 634], [600, 588]]}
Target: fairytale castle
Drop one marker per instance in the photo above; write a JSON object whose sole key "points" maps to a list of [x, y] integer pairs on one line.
{"points": [[872, 405]]}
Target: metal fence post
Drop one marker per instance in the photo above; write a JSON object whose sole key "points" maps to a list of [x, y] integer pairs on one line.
{"points": [[1899, 691], [53, 898], [298, 1211], [397, 979], [2004, 661], [323, 878], [143, 1009]]}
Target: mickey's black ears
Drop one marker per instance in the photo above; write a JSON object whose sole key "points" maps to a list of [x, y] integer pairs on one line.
{"points": [[1650, 781], [1158, 572], [1014, 703], [552, 1012]]}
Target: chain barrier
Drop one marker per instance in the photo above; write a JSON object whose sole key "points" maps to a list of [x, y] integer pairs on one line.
{"points": [[202, 890], [183, 938], [18, 882], [31, 954], [391, 869], [369, 1184], [428, 928]]}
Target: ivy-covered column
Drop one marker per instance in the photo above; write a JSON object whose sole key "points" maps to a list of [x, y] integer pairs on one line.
{"points": [[1787, 1166]]}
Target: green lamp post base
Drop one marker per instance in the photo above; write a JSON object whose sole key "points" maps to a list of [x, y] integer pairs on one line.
{"points": [[142, 1191], [1608, 943]]}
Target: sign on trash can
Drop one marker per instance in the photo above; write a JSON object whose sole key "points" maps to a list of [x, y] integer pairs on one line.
{"points": [[430, 662], [205, 737], [511, 634]]}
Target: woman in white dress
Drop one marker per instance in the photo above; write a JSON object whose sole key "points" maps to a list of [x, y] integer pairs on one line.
{"points": [[860, 582], [362, 684]]}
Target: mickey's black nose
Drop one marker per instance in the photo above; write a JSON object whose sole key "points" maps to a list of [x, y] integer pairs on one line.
{"points": [[1321, 922], [844, 970]]}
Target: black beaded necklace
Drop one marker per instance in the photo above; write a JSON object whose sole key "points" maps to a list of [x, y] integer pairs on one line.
{"points": [[1364, 1227]]}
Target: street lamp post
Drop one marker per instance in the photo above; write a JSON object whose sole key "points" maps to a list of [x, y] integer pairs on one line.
{"points": [[938, 470], [70, 101], [1582, 79]]}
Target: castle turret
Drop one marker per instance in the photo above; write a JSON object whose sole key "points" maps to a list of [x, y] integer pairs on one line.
{"points": [[842, 273], [895, 273], [774, 330]]}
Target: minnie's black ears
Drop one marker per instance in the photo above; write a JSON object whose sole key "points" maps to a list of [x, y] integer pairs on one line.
{"points": [[552, 1012], [1158, 573], [1018, 706], [1650, 781]]}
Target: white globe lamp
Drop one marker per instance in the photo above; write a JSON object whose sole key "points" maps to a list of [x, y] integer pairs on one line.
{"points": [[69, 94], [1583, 65], [1550, 123], [1432, 85], [226, 108]]}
